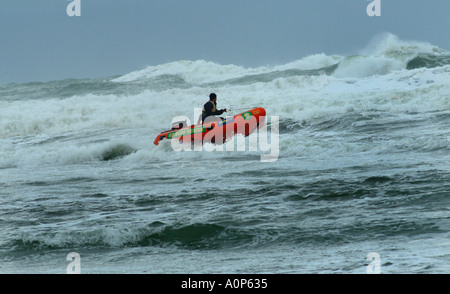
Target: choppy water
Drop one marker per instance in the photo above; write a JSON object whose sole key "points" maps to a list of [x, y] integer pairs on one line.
{"points": [[363, 166]]}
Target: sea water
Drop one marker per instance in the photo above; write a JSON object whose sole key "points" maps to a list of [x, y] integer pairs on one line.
{"points": [[363, 169]]}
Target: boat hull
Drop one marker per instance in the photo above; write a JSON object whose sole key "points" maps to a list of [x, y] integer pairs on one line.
{"points": [[219, 130]]}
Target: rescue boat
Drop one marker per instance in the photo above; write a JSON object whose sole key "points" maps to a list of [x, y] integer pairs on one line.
{"points": [[218, 131]]}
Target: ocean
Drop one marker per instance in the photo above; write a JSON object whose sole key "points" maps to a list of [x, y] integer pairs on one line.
{"points": [[360, 180]]}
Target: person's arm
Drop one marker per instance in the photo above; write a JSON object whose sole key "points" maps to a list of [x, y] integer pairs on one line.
{"points": [[219, 112]]}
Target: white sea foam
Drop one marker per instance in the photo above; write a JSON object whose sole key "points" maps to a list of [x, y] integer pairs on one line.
{"points": [[80, 128]]}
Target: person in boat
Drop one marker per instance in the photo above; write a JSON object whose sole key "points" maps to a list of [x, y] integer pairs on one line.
{"points": [[210, 111]]}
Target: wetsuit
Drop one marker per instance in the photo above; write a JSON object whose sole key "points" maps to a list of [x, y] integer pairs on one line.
{"points": [[210, 109]]}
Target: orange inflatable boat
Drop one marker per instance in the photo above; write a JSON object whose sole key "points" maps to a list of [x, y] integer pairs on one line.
{"points": [[217, 131]]}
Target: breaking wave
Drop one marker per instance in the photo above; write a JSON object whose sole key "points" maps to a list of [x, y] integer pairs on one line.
{"points": [[70, 121]]}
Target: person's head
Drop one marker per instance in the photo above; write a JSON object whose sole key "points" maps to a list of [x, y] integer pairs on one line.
{"points": [[212, 97]]}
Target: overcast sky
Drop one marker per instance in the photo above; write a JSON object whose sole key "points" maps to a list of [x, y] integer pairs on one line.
{"points": [[40, 42]]}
